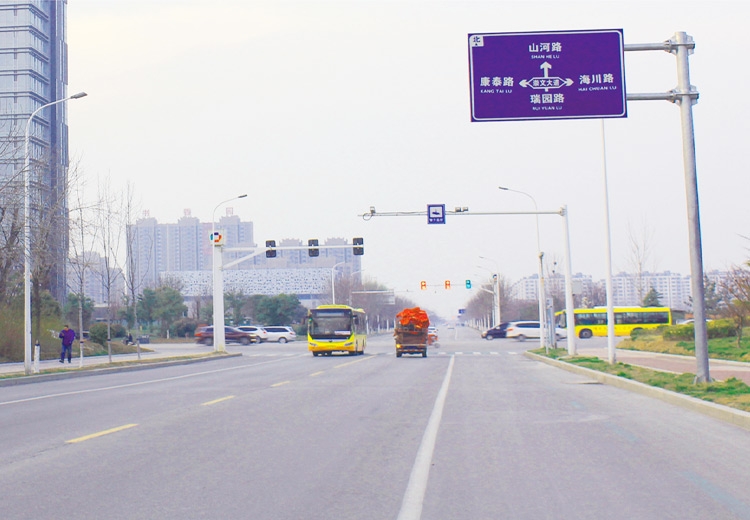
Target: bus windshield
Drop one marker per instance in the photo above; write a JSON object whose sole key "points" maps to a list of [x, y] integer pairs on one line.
{"points": [[330, 324]]}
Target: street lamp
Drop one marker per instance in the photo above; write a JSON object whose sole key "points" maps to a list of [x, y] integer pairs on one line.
{"points": [[540, 254], [495, 291], [27, 234], [218, 280], [351, 282], [333, 279]]}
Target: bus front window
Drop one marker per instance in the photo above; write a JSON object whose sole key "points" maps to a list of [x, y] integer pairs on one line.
{"points": [[330, 327]]}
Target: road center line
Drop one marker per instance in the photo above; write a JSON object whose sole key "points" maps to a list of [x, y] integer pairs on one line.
{"points": [[100, 434], [219, 400], [280, 384], [411, 505], [352, 362]]}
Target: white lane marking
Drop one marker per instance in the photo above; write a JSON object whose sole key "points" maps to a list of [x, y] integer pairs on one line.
{"points": [[141, 383], [411, 505]]}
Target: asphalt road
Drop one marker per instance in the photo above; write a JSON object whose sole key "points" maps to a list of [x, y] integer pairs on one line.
{"points": [[473, 431]]}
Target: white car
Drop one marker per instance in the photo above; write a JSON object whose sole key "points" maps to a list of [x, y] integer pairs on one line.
{"points": [[529, 329], [280, 334], [258, 332]]}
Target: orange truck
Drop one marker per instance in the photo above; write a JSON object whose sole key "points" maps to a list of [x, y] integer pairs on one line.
{"points": [[411, 334]]}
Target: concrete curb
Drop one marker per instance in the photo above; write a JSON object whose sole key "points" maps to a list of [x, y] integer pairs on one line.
{"points": [[717, 411], [96, 370]]}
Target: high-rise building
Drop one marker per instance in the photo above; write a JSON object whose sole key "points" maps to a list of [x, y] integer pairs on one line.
{"points": [[34, 72], [181, 253]]}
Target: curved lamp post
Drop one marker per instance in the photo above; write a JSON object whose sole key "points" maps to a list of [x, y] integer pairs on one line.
{"points": [[540, 254], [27, 233], [495, 291], [333, 280], [218, 281]]}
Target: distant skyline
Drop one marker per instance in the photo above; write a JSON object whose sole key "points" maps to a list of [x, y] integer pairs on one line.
{"points": [[319, 110]]}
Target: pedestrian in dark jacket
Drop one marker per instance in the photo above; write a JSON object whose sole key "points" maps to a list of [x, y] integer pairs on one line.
{"points": [[67, 335]]}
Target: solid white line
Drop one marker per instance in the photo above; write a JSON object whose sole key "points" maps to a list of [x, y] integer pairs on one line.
{"points": [[127, 385], [411, 505]]}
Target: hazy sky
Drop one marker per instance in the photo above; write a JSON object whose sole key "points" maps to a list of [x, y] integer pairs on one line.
{"points": [[319, 110]]}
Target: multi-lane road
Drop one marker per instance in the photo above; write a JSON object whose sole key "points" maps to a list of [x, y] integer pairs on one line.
{"points": [[474, 431]]}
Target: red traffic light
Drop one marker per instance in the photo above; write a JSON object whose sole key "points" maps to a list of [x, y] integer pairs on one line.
{"points": [[423, 285], [447, 284]]}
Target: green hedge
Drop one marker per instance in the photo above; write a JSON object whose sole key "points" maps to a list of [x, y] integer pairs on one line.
{"points": [[98, 332], [686, 332]]}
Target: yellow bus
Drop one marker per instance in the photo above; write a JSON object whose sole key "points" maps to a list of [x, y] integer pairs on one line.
{"points": [[336, 328], [593, 322]]}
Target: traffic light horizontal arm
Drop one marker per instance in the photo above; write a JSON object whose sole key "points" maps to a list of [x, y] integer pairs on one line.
{"points": [[257, 251], [461, 212]]}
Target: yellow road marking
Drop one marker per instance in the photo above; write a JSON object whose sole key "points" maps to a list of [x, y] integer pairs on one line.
{"points": [[352, 362], [317, 373], [227, 398], [280, 384], [100, 434]]}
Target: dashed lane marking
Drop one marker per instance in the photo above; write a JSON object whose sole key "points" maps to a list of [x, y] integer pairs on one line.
{"points": [[100, 434]]}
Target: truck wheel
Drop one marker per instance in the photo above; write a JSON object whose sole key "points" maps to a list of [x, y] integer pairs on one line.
{"points": [[398, 354], [315, 354], [424, 354]]}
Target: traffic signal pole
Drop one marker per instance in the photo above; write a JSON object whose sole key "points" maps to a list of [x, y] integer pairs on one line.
{"points": [[563, 212]]}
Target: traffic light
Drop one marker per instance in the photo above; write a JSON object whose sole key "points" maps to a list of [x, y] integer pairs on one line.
{"points": [[270, 251], [468, 284], [447, 284], [313, 244], [423, 285], [358, 241]]}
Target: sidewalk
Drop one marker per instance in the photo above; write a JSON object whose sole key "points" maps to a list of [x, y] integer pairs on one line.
{"points": [[719, 370], [163, 351]]}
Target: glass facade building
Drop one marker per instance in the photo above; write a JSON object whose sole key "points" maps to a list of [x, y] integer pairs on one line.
{"points": [[33, 72]]}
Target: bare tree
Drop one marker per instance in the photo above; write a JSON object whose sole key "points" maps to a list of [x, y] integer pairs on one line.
{"points": [[82, 238], [639, 256], [736, 287], [133, 281], [109, 214]]}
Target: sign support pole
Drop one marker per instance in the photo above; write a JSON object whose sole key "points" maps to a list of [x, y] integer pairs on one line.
{"points": [[685, 95]]}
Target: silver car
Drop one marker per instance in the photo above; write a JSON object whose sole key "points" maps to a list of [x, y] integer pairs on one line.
{"points": [[280, 334], [258, 332]]}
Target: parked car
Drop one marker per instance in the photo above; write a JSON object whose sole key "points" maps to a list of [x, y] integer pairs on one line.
{"points": [[280, 334], [529, 329], [496, 332], [259, 332], [205, 335]]}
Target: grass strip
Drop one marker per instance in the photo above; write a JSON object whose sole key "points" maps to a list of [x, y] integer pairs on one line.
{"points": [[732, 392]]}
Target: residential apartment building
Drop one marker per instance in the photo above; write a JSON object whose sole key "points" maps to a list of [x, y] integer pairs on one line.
{"points": [[628, 289], [181, 252], [91, 268], [33, 72]]}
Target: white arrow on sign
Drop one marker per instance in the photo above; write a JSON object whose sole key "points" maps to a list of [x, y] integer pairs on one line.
{"points": [[546, 82]]}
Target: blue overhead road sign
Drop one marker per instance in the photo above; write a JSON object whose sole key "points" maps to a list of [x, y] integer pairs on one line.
{"points": [[436, 213], [547, 75]]}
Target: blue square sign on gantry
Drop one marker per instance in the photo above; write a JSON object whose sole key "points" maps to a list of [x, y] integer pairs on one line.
{"points": [[436, 213]]}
